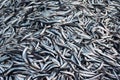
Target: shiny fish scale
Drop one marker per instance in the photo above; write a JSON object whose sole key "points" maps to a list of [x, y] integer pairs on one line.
{"points": [[59, 40]]}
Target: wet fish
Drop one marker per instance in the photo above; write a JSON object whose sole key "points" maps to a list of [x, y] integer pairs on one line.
{"points": [[59, 40]]}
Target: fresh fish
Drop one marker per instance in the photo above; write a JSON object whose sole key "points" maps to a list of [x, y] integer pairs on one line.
{"points": [[59, 39]]}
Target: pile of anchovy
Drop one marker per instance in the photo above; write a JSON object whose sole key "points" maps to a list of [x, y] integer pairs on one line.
{"points": [[59, 39]]}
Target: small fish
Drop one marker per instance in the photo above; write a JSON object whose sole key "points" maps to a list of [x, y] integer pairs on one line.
{"points": [[8, 17], [26, 36], [3, 58], [40, 75], [25, 56], [55, 61], [11, 70], [95, 77], [68, 73], [63, 34], [47, 63], [3, 3], [48, 48]]}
